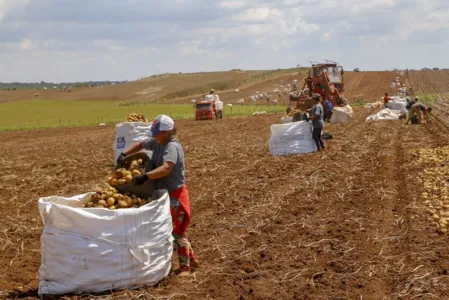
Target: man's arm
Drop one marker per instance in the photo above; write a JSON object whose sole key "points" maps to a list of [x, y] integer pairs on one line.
{"points": [[162, 171]]}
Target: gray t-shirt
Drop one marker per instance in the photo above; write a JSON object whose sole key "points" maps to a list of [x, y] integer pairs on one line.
{"points": [[172, 152], [317, 109]]}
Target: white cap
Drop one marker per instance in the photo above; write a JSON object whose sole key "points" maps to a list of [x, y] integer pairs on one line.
{"points": [[162, 123]]}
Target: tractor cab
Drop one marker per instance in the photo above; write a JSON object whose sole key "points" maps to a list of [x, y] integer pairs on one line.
{"points": [[325, 79]]}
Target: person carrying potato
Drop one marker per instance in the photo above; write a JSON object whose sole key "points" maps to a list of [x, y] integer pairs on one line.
{"points": [[168, 160]]}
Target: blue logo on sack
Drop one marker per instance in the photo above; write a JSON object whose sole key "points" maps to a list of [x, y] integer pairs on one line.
{"points": [[121, 142]]}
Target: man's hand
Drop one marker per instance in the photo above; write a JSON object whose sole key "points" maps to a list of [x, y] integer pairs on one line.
{"points": [[140, 179], [120, 159]]}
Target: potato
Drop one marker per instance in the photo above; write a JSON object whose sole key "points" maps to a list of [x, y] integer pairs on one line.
{"points": [[129, 178], [135, 173], [122, 203], [112, 207], [103, 197], [127, 173], [90, 204], [99, 206], [102, 203], [113, 182], [111, 201], [134, 162], [95, 197], [140, 161], [122, 181]]}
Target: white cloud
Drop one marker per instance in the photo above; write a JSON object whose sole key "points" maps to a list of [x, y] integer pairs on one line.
{"points": [[257, 14], [88, 40]]}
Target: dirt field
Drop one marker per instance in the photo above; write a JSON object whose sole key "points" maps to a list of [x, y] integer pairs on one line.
{"points": [[344, 224]]}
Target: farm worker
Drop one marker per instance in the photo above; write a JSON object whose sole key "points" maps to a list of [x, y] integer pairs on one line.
{"points": [[420, 110], [168, 159], [214, 96], [219, 109], [386, 100], [317, 121], [328, 107]]}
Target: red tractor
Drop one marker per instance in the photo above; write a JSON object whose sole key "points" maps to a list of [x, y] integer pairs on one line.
{"points": [[325, 79], [205, 110]]}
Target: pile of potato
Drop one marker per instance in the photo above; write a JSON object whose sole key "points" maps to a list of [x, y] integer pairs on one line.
{"points": [[135, 117], [435, 181], [112, 199], [122, 175]]}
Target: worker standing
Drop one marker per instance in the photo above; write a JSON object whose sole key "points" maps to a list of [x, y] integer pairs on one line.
{"points": [[215, 97], [328, 108], [218, 109], [420, 110], [317, 113], [168, 174]]}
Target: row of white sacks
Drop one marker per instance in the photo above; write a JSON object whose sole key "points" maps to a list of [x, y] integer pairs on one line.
{"points": [[96, 249]]}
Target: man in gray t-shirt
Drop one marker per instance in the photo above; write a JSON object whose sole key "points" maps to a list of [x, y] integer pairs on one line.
{"points": [[166, 168], [317, 121], [172, 153]]}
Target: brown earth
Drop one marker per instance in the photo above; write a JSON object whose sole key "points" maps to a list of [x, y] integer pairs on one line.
{"points": [[343, 224], [347, 223]]}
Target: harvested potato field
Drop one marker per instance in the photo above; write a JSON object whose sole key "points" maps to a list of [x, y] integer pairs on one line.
{"points": [[347, 223]]}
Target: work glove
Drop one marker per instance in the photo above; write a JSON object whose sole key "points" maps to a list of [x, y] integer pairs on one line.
{"points": [[120, 159], [140, 179]]}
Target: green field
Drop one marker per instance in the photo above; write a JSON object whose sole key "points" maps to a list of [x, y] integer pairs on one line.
{"points": [[52, 113]]}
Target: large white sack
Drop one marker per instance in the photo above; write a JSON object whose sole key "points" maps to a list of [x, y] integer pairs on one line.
{"points": [[97, 249], [341, 114], [398, 104], [291, 138], [384, 114], [127, 133]]}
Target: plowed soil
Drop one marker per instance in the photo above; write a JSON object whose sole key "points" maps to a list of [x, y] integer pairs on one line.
{"points": [[347, 223]]}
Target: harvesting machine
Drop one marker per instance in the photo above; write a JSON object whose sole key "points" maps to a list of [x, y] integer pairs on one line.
{"points": [[325, 79]]}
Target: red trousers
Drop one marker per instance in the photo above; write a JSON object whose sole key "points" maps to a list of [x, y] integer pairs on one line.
{"points": [[180, 213]]}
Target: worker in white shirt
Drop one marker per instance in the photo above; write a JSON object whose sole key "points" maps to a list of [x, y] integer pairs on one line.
{"points": [[214, 96], [218, 109]]}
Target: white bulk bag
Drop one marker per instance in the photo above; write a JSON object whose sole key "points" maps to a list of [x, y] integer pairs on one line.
{"points": [[398, 103], [341, 114], [127, 133], [96, 249], [291, 138], [384, 114]]}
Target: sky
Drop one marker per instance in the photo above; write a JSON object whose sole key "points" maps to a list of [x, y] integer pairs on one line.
{"points": [[82, 40]]}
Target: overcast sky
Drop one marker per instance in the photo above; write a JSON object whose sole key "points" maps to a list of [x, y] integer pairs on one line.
{"points": [[81, 40]]}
